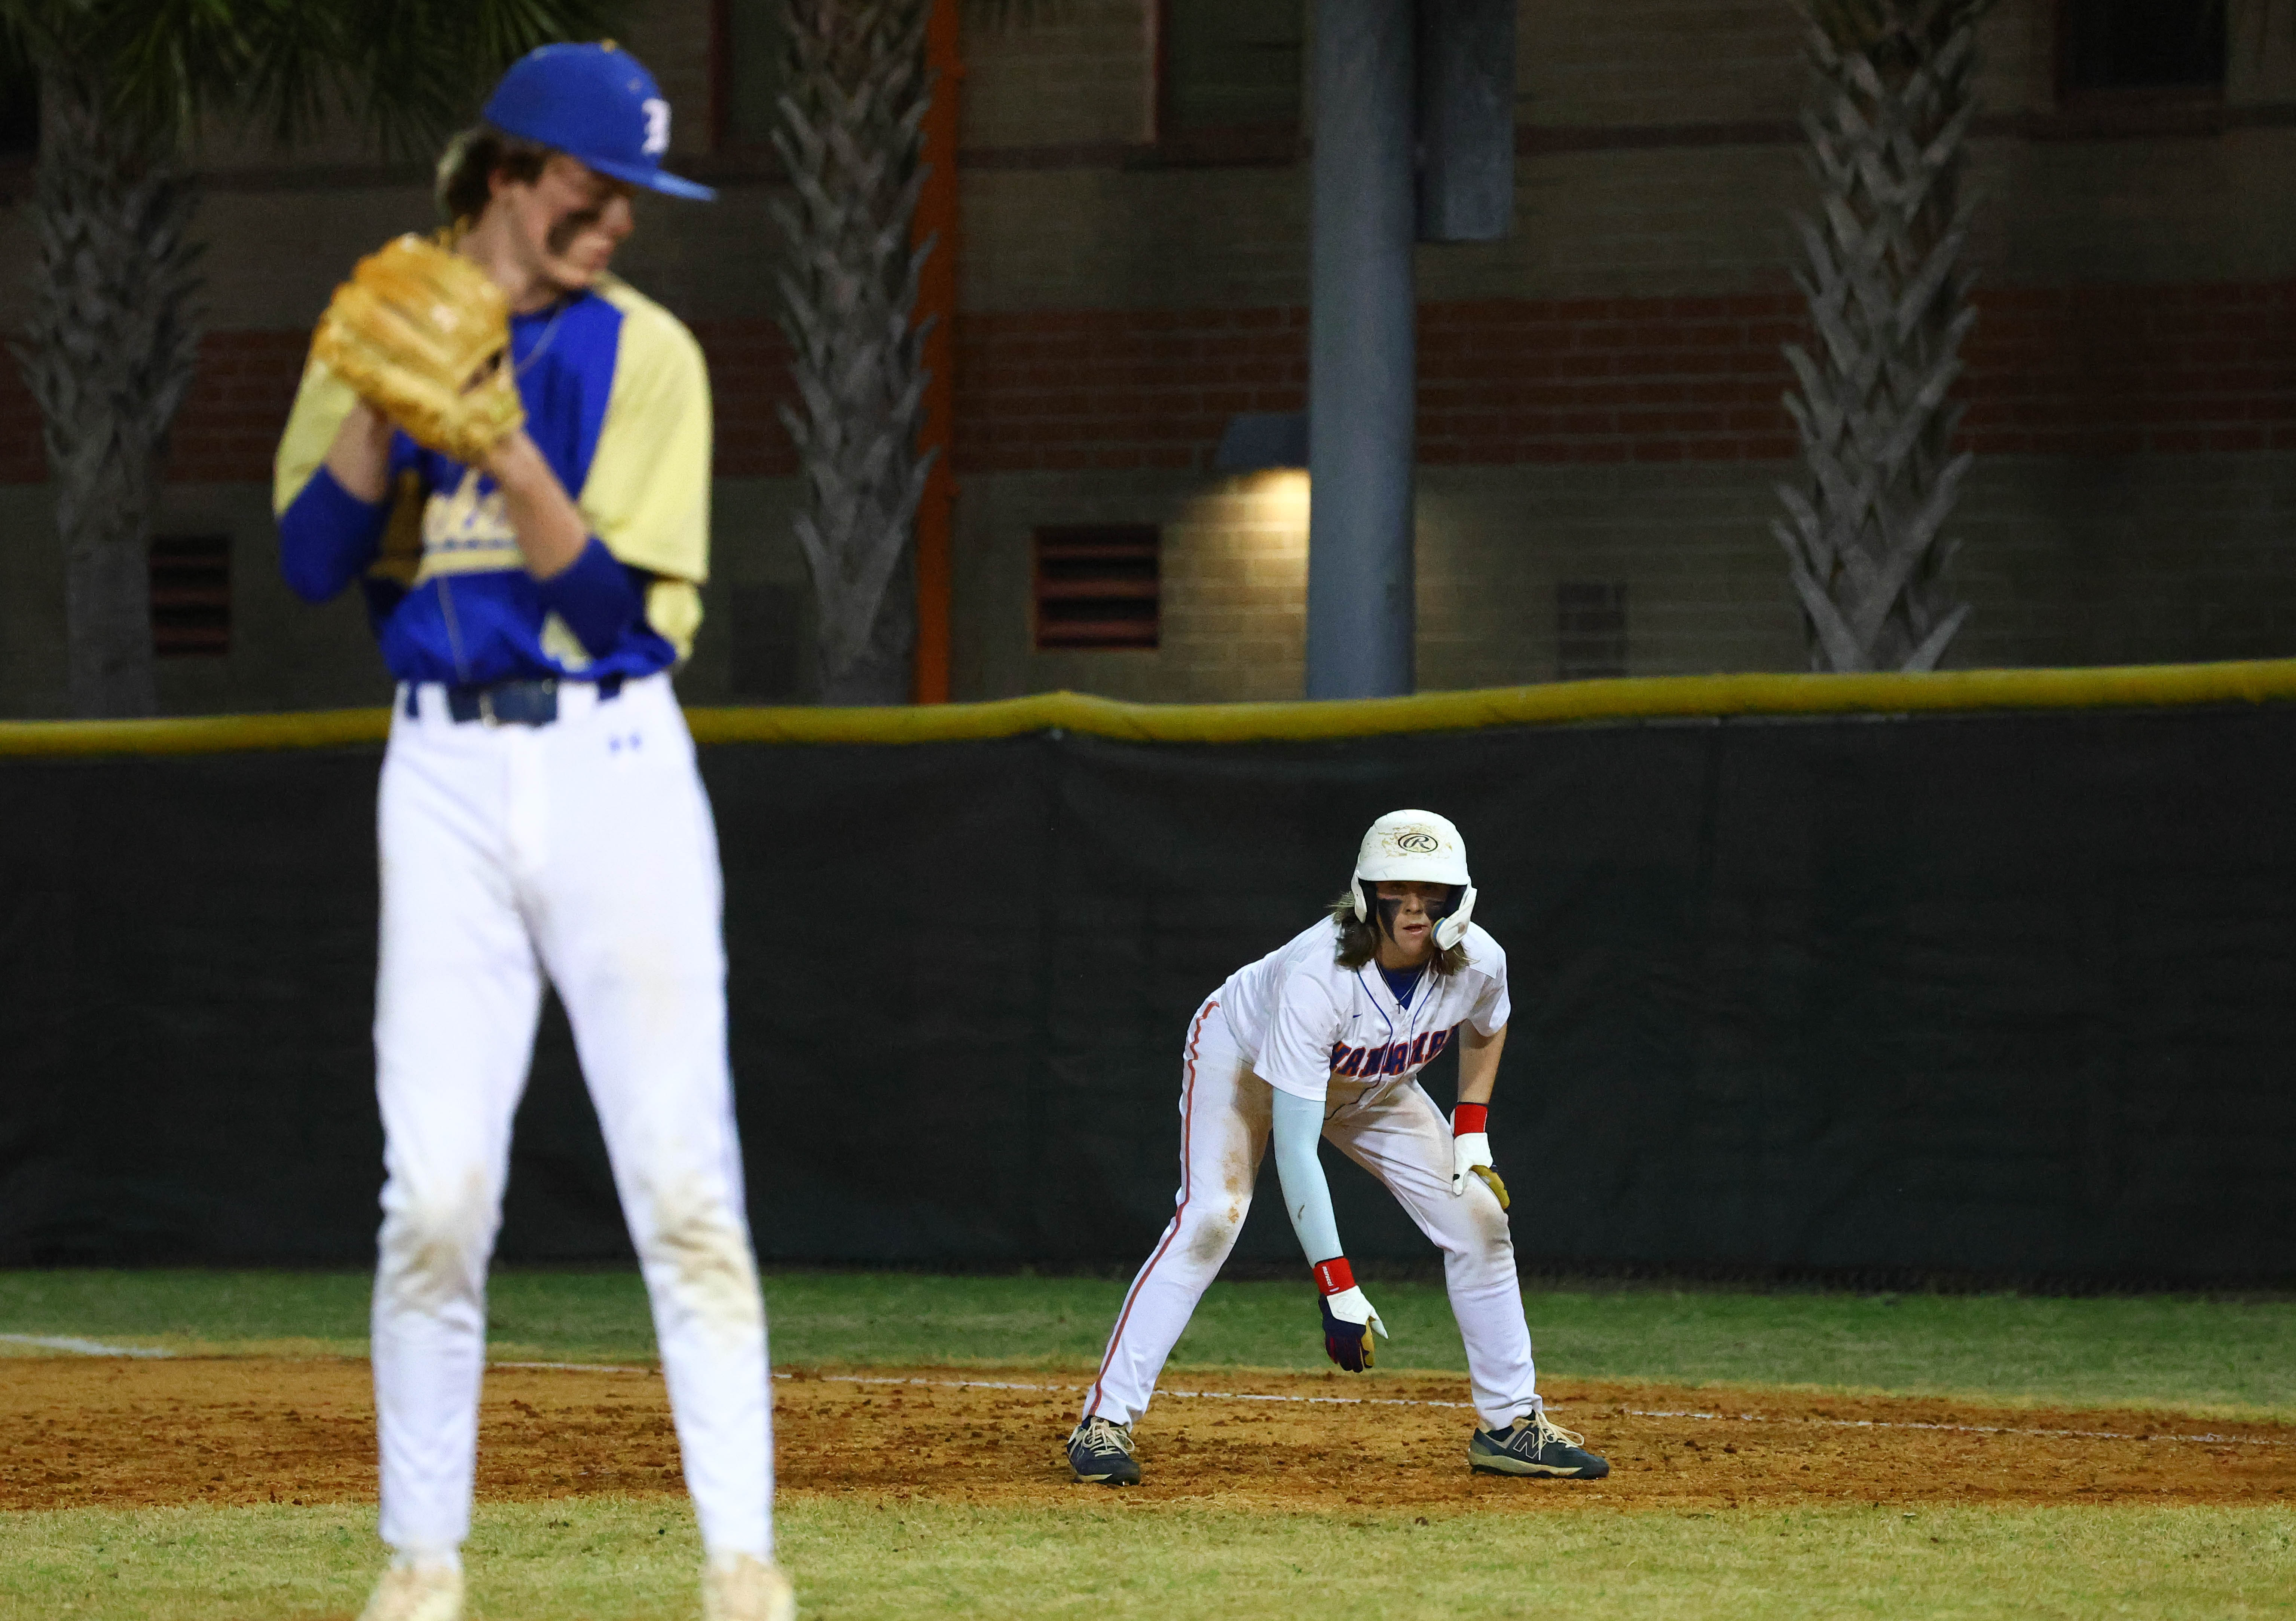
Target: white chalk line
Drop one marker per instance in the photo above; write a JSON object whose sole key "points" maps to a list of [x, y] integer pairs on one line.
{"points": [[89, 1347], [78, 1346], [1631, 1412]]}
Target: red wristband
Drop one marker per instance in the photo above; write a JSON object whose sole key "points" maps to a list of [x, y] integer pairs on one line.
{"points": [[1468, 1118], [1335, 1276]]}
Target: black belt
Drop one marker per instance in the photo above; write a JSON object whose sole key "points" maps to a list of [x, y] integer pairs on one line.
{"points": [[508, 703]]}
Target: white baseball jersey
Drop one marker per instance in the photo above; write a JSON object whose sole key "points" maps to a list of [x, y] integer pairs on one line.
{"points": [[1300, 1018], [1307, 1026]]}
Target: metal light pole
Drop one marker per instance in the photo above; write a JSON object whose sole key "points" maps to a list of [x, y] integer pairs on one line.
{"points": [[1362, 376], [1414, 138]]}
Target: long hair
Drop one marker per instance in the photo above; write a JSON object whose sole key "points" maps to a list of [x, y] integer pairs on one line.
{"points": [[1359, 940], [467, 167]]}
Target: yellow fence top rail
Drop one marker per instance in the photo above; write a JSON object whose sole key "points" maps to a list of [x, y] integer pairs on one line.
{"points": [[1549, 703]]}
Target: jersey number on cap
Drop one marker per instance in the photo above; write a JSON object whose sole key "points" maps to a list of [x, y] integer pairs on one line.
{"points": [[656, 117]]}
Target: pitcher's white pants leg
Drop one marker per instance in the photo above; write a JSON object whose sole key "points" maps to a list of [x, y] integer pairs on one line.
{"points": [[1226, 1115], [458, 991], [588, 842]]}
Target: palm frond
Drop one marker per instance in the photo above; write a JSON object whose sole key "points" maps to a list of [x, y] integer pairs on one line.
{"points": [[408, 69], [1894, 35], [414, 68]]}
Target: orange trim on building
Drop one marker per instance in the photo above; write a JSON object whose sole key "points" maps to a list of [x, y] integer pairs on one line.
{"points": [[936, 219]]}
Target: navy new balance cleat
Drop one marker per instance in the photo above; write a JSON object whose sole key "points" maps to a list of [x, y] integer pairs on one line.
{"points": [[1100, 1451], [1533, 1447]]}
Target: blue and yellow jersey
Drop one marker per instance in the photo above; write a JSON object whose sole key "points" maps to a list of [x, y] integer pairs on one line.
{"points": [[617, 401]]}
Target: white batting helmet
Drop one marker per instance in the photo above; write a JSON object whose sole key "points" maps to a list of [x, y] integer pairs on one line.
{"points": [[1417, 847]]}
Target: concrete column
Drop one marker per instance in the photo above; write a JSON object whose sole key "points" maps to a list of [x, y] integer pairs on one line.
{"points": [[1363, 362]]}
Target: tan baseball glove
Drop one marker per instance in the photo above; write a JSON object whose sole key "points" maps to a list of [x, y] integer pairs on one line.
{"points": [[424, 336]]}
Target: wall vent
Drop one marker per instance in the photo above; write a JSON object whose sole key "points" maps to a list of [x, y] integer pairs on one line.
{"points": [[1590, 629], [191, 596], [1097, 586]]}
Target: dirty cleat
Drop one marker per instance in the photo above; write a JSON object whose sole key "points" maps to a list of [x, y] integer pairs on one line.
{"points": [[1533, 1447], [747, 1588], [417, 1592], [1100, 1451]]}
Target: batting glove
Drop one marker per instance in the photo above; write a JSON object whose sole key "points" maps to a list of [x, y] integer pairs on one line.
{"points": [[1348, 1318], [1470, 1152]]}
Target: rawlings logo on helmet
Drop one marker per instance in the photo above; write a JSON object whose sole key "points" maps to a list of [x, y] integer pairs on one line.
{"points": [[1417, 846]]}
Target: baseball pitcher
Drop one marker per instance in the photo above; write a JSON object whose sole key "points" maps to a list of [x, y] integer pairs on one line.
{"points": [[508, 451], [1323, 1039]]}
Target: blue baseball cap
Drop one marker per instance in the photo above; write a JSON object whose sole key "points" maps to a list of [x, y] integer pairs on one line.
{"points": [[596, 103]]}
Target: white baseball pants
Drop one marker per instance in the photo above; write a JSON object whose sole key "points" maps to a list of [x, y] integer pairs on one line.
{"points": [[1395, 1132], [583, 850]]}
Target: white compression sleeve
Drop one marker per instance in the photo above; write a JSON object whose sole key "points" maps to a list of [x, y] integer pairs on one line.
{"points": [[1306, 1196]]}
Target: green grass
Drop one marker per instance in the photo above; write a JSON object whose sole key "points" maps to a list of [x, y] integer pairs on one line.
{"points": [[1108, 1555], [618, 1560], [2195, 1355]]}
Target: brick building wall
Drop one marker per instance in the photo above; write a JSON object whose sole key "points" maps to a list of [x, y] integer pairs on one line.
{"points": [[2157, 370], [1599, 395]]}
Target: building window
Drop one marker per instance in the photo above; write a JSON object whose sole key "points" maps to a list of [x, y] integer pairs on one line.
{"points": [[1229, 77], [1590, 629], [1096, 585], [768, 643], [2142, 44], [191, 596], [748, 68]]}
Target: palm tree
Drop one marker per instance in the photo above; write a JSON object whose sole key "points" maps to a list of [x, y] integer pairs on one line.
{"points": [[855, 89], [1893, 92], [108, 353], [850, 130]]}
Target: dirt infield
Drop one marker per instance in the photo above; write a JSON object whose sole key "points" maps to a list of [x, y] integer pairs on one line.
{"points": [[77, 1432]]}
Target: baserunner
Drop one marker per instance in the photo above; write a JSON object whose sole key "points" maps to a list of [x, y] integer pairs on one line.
{"points": [[1324, 1039]]}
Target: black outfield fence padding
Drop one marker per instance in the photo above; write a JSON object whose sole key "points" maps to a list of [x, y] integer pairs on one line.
{"points": [[1997, 992]]}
